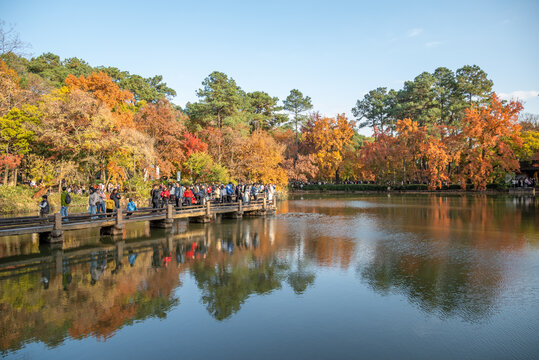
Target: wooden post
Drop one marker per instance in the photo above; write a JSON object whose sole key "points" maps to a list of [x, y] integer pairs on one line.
{"points": [[119, 218], [240, 207], [208, 211], [170, 212], [264, 204], [167, 222], [57, 231]]}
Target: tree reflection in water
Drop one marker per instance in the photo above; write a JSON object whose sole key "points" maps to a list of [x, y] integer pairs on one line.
{"points": [[447, 255], [42, 301], [225, 288]]}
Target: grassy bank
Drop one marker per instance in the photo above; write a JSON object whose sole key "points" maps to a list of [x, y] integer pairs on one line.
{"points": [[19, 199]]}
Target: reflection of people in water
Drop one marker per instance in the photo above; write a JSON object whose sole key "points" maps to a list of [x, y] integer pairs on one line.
{"points": [[196, 251], [45, 275], [256, 240], [180, 257], [156, 258], [132, 257], [227, 245], [167, 255], [190, 254], [66, 274], [118, 267], [98, 264]]}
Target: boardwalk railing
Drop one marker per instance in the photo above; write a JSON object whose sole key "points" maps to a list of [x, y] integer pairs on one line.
{"points": [[116, 219]]}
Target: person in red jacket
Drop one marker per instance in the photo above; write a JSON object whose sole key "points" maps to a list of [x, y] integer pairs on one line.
{"points": [[188, 194], [165, 196]]}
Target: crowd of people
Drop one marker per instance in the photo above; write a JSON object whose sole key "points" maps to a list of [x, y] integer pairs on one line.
{"points": [[102, 200], [179, 195], [523, 182]]}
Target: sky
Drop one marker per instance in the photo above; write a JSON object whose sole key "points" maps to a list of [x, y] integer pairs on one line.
{"points": [[333, 51]]}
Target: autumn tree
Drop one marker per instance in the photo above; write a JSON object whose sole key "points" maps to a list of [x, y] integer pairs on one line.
{"points": [[351, 168], [76, 127], [410, 139], [201, 167], [530, 145], [261, 158], [329, 137], [381, 158], [301, 168], [17, 130], [437, 159], [490, 132], [11, 94], [160, 122], [104, 89]]}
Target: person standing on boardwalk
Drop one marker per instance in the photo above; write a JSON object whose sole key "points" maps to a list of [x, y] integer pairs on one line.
{"points": [[229, 192], [115, 196], [44, 209], [165, 197], [65, 200], [101, 197], [179, 195], [156, 197], [92, 202]]}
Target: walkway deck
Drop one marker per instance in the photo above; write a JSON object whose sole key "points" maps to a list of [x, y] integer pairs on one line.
{"points": [[113, 223]]}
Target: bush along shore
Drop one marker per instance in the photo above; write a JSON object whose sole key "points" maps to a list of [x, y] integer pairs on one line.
{"points": [[385, 188]]}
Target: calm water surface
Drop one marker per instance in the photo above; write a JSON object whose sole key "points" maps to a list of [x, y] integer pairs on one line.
{"points": [[349, 277]]}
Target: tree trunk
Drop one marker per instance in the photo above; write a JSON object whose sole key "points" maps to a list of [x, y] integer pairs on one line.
{"points": [[15, 171], [6, 174]]}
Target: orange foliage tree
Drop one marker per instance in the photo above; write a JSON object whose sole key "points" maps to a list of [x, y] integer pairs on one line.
{"points": [[173, 142], [103, 88], [300, 168], [413, 154], [381, 157], [490, 133], [261, 158], [11, 94], [329, 137]]}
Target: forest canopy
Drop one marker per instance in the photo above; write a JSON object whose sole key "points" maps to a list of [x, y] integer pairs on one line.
{"points": [[65, 120]]}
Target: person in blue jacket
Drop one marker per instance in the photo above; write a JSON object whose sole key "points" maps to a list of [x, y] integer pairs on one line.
{"points": [[131, 206], [229, 192]]}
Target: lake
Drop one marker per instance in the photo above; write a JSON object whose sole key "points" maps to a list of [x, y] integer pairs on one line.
{"points": [[327, 277]]}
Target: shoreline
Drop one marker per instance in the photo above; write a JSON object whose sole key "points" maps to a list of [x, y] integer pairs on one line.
{"points": [[526, 192]]}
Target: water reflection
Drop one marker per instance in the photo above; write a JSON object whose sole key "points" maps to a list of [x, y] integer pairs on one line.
{"points": [[448, 256]]}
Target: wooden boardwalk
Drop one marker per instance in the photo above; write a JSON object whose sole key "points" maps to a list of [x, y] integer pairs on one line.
{"points": [[52, 227]]}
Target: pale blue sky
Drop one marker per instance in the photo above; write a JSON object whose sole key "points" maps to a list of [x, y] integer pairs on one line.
{"points": [[333, 51]]}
